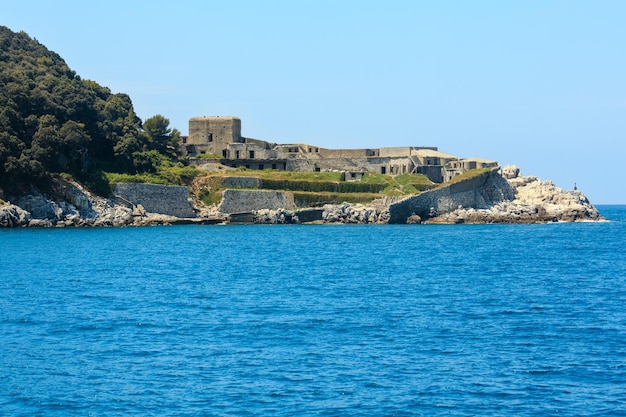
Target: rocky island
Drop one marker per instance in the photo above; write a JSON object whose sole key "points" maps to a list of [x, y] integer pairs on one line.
{"points": [[72, 153]]}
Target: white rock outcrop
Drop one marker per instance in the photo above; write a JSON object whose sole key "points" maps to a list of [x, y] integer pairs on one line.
{"points": [[355, 213], [535, 201], [330, 213]]}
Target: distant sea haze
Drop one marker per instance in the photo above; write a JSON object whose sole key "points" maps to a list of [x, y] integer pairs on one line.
{"points": [[524, 320]]}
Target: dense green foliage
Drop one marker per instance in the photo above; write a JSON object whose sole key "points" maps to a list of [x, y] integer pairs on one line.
{"points": [[169, 175], [322, 186], [53, 121]]}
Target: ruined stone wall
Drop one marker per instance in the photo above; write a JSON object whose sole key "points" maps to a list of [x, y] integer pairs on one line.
{"points": [[478, 192], [345, 153], [395, 152], [400, 166], [261, 152], [299, 164], [249, 151], [171, 200], [341, 164], [240, 201], [259, 142], [433, 172], [371, 164]]}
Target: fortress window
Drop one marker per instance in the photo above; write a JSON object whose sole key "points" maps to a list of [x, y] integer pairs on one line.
{"points": [[236, 154], [224, 153], [273, 166], [210, 138], [261, 167], [383, 170], [251, 154]]}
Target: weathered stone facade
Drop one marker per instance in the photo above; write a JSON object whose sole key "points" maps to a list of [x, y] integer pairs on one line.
{"points": [[170, 200], [221, 137], [212, 135], [477, 192], [535, 201], [459, 166], [240, 201]]}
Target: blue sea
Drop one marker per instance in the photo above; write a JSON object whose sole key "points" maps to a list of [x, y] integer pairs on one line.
{"points": [[315, 320]]}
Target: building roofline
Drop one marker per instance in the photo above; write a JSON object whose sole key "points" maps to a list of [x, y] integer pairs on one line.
{"points": [[201, 118]]}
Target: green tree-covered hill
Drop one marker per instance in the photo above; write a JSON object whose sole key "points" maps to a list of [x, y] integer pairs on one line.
{"points": [[53, 121]]}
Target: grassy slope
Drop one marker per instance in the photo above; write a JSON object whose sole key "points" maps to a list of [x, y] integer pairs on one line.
{"points": [[308, 187]]}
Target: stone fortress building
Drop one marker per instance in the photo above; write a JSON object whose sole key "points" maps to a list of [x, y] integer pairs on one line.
{"points": [[219, 137]]}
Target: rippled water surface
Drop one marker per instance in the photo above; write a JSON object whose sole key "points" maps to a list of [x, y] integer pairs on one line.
{"points": [[315, 320]]}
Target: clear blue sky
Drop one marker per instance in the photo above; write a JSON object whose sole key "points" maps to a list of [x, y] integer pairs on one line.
{"points": [[540, 84]]}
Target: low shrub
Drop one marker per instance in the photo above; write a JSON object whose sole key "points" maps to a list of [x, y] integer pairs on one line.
{"points": [[98, 182], [174, 175], [321, 186], [309, 199], [210, 197]]}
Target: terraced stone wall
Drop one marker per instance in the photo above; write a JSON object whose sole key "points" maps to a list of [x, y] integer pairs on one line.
{"points": [[240, 201], [477, 192], [171, 200]]}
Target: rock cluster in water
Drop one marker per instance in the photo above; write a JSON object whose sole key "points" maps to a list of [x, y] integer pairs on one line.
{"points": [[329, 213]]}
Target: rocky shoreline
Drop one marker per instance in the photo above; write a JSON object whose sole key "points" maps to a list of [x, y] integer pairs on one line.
{"points": [[504, 197], [535, 201], [522, 212], [75, 206]]}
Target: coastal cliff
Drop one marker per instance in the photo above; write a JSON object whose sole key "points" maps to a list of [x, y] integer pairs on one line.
{"points": [[534, 201], [496, 196], [68, 203]]}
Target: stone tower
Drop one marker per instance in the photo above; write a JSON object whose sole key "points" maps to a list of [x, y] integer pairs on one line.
{"points": [[213, 134]]}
